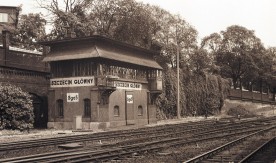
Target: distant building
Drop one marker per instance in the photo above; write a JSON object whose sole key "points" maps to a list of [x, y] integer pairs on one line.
{"points": [[8, 17], [97, 82], [23, 68]]}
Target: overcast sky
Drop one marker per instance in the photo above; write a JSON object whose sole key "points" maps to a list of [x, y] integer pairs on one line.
{"points": [[209, 16]]}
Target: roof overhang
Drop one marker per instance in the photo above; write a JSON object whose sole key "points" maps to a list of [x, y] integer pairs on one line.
{"points": [[94, 50]]}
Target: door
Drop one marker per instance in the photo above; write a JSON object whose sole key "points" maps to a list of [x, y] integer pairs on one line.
{"points": [[40, 111], [129, 108]]}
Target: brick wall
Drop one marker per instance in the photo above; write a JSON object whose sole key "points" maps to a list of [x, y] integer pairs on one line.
{"points": [[26, 61], [30, 81]]}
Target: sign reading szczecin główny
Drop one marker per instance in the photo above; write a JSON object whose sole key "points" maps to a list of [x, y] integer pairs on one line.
{"points": [[127, 85], [72, 82]]}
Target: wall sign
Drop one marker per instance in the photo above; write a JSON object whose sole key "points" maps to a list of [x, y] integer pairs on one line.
{"points": [[72, 82], [127, 85], [72, 97], [129, 99]]}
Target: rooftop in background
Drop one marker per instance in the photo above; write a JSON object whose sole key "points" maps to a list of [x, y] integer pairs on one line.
{"points": [[23, 50], [9, 17]]}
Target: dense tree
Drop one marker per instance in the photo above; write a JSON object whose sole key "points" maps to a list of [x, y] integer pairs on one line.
{"points": [[200, 61], [106, 14], [238, 54], [271, 72], [137, 26], [211, 43], [175, 33], [31, 28], [69, 17], [16, 108]]}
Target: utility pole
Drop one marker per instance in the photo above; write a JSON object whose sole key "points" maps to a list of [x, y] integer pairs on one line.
{"points": [[177, 67], [178, 85]]}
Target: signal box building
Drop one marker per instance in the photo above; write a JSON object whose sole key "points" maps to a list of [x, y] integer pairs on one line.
{"points": [[98, 82]]}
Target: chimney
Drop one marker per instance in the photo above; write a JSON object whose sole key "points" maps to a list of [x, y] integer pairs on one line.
{"points": [[6, 44], [6, 39]]}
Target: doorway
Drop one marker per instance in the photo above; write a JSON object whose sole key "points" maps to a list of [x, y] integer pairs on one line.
{"points": [[129, 108]]}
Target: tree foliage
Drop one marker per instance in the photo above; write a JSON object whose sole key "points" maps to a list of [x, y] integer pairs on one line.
{"points": [[16, 108], [271, 68], [235, 53], [31, 28], [146, 26], [124, 20], [238, 53]]}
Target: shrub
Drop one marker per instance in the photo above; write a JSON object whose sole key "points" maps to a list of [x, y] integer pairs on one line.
{"points": [[16, 109], [239, 110]]}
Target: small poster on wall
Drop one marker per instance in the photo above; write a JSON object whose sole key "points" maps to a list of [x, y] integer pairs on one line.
{"points": [[72, 97], [129, 99]]}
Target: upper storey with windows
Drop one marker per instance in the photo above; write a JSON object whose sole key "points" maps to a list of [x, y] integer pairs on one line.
{"points": [[101, 57]]}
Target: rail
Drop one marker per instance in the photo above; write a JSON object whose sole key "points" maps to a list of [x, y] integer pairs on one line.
{"points": [[118, 150], [262, 147], [223, 147]]}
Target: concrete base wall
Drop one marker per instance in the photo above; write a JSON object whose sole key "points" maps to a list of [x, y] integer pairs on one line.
{"points": [[95, 125], [60, 125], [85, 125]]}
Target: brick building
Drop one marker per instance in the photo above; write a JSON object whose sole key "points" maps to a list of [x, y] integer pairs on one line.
{"points": [[8, 17], [97, 82], [23, 68]]}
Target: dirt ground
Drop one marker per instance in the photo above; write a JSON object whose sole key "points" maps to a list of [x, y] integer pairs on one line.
{"points": [[16, 135]]}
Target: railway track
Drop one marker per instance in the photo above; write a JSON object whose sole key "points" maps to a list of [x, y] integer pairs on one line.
{"points": [[264, 153], [109, 136], [139, 145], [115, 151], [239, 150]]}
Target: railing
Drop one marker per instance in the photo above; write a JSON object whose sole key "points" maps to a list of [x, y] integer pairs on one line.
{"points": [[155, 84], [104, 81], [237, 94]]}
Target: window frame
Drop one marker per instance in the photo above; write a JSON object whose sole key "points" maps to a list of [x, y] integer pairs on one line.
{"points": [[4, 17], [86, 108], [60, 108], [140, 110], [116, 109]]}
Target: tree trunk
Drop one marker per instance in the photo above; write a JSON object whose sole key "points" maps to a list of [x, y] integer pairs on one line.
{"points": [[241, 88], [273, 97], [235, 82], [261, 89]]}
